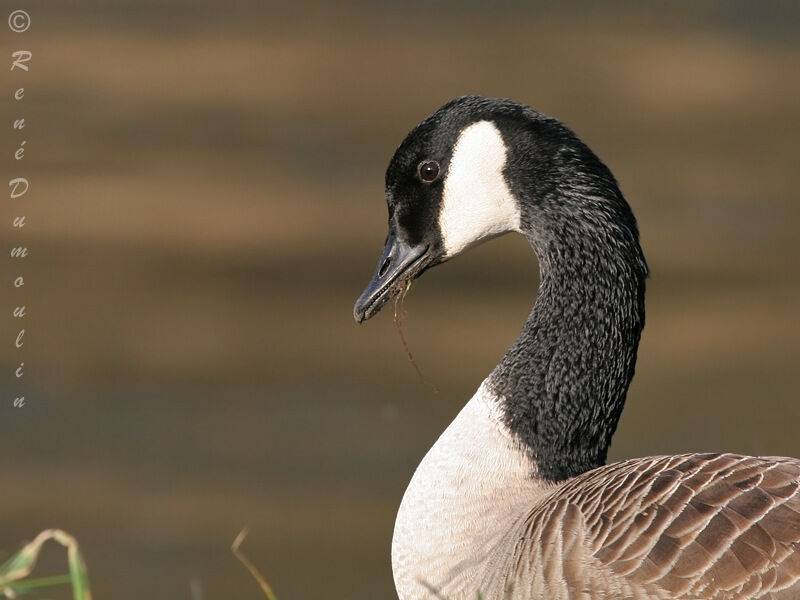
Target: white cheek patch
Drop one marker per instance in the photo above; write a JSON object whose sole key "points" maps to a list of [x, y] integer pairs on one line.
{"points": [[476, 203]]}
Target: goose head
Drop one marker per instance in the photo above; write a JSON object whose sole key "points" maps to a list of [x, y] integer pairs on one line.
{"points": [[481, 167]]}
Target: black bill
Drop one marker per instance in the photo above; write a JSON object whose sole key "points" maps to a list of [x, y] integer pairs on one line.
{"points": [[398, 265]]}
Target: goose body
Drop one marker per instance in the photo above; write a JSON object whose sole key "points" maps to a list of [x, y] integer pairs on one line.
{"points": [[515, 500]]}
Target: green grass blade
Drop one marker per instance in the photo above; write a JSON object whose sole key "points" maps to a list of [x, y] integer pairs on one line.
{"points": [[40, 582], [20, 565]]}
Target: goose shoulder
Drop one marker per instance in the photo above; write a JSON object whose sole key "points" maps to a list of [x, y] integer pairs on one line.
{"points": [[682, 527]]}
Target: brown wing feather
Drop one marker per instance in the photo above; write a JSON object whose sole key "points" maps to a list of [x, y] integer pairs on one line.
{"points": [[700, 527]]}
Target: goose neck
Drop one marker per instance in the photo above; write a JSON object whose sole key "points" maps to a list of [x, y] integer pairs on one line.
{"points": [[563, 383]]}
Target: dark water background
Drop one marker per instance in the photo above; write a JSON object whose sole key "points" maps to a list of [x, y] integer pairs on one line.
{"points": [[206, 204]]}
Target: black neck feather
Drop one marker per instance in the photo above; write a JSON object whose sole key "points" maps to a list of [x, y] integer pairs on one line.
{"points": [[563, 382]]}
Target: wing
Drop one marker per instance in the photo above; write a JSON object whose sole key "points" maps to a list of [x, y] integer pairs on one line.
{"points": [[699, 527]]}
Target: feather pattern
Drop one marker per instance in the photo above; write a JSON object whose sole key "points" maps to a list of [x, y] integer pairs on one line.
{"points": [[695, 526]]}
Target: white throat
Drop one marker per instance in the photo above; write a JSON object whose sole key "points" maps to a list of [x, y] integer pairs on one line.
{"points": [[476, 202], [463, 501]]}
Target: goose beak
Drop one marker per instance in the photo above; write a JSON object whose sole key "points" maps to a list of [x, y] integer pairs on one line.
{"points": [[399, 264]]}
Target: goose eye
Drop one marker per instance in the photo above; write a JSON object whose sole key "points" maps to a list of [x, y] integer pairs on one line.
{"points": [[428, 170]]}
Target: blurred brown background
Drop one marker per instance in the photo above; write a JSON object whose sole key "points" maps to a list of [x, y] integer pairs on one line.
{"points": [[206, 203]]}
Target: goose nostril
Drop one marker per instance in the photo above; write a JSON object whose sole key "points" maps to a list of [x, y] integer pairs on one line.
{"points": [[384, 267]]}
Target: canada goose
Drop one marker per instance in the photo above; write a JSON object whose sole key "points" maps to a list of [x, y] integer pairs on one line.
{"points": [[514, 499]]}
